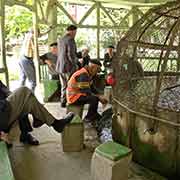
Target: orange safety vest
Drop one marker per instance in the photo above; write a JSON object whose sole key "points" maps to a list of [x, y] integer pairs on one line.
{"points": [[73, 87]]}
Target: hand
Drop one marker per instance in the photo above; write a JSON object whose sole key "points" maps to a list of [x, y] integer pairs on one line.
{"points": [[52, 66], [49, 63], [81, 60], [102, 99], [4, 137]]}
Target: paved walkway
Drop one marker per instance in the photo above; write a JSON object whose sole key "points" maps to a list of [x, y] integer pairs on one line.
{"points": [[48, 162]]}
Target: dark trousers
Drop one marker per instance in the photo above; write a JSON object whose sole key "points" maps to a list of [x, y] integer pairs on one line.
{"points": [[24, 125], [93, 101]]}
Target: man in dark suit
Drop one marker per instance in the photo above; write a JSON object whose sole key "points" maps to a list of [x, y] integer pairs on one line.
{"points": [[67, 59]]}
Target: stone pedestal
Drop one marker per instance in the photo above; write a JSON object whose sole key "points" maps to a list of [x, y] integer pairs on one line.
{"points": [[110, 161], [108, 93], [73, 136], [77, 109], [50, 87]]}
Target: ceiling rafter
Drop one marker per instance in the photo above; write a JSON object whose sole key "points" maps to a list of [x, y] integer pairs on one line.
{"points": [[41, 10], [66, 13], [109, 16], [115, 3], [87, 13], [20, 3]]}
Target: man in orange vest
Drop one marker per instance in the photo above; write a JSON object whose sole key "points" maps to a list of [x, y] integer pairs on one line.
{"points": [[79, 90]]}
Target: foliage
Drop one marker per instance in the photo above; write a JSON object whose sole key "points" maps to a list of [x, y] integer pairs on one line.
{"points": [[107, 38], [111, 36], [18, 21]]}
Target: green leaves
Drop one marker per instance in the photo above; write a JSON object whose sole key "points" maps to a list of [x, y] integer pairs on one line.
{"points": [[18, 20]]}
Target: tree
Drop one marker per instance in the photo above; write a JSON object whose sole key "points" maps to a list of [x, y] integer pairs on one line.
{"points": [[18, 21]]}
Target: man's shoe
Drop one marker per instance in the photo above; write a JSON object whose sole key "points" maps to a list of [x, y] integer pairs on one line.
{"points": [[59, 125], [86, 120], [63, 104], [28, 139]]}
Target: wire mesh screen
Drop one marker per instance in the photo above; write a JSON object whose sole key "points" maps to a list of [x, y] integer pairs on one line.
{"points": [[147, 61]]}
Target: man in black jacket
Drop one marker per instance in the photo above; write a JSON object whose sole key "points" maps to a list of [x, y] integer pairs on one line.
{"points": [[108, 56], [17, 105]]}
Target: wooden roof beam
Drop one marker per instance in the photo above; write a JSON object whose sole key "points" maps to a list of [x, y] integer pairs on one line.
{"points": [[14, 2]]}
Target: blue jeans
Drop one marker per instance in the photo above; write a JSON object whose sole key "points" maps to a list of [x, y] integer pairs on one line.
{"points": [[27, 71]]}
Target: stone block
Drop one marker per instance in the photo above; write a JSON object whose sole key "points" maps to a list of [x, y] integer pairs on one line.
{"points": [[111, 161], [50, 87], [108, 93], [6, 172], [73, 136], [77, 109]]}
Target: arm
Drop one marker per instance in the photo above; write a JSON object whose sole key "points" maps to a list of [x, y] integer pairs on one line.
{"points": [[48, 62], [45, 60], [72, 54], [4, 136], [83, 83], [4, 89], [4, 108], [107, 60]]}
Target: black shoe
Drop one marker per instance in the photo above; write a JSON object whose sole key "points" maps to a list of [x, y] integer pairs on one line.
{"points": [[86, 120], [95, 117], [29, 139], [63, 104], [59, 125]]}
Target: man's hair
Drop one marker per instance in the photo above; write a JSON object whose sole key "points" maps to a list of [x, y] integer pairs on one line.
{"points": [[53, 44], [111, 46], [71, 28], [93, 61]]}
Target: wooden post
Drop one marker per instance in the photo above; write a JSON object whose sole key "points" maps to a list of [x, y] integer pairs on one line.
{"points": [[98, 30], [2, 40], [177, 60], [36, 50], [134, 19], [52, 20]]}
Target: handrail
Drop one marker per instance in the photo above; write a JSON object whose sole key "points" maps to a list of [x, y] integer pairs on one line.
{"points": [[145, 115]]}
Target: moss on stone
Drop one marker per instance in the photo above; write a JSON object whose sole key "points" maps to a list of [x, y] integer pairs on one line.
{"points": [[149, 156]]}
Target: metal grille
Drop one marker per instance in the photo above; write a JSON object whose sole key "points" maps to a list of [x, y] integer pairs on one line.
{"points": [[147, 61]]}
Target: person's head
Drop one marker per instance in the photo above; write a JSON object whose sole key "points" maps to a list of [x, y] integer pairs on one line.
{"points": [[71, 30], [110, 49], [94, 67], [85, 52], [53, 48]]}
